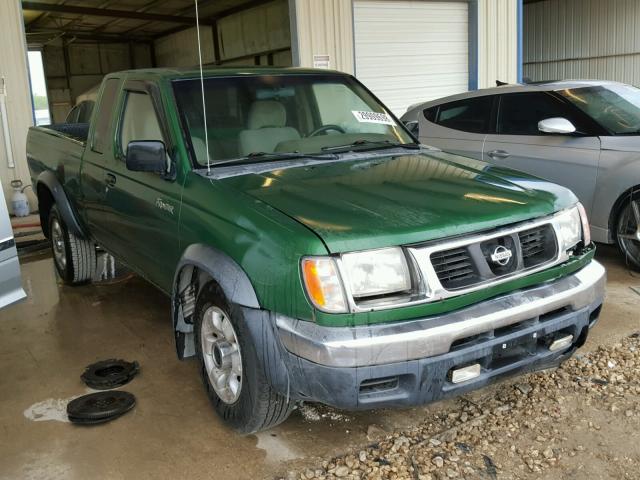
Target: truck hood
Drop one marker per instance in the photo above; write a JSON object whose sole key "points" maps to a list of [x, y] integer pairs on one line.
{"points": [[402, 199]]}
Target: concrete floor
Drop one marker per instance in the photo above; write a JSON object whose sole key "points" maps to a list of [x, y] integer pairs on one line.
{"points": [[46, 341]]}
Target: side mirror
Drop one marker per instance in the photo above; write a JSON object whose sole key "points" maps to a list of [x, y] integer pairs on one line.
{"points": [[413, 127], [557, 125], [146, 156]]}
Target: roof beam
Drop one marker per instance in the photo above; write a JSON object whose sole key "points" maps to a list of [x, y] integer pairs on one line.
{"points": [[86, 36], [107, 12]]}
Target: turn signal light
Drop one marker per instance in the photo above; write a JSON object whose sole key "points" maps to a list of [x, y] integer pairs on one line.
{"points": [[323, 285]]}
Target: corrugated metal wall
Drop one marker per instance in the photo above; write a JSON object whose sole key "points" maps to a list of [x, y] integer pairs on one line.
{"points": [[324, 27], [87, 64], [497, 42], [588, 39], [261, 32], [13, 66], [180, 49]]}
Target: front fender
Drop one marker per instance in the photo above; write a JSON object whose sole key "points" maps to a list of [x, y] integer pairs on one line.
{"points": [[219, 267]]}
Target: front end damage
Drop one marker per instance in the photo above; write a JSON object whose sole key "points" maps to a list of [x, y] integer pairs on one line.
{"points": [[424, 360]]}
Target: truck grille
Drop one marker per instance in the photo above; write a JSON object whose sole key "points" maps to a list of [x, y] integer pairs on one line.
{"points": [[538, 245], [497, 257], [455, 268]]}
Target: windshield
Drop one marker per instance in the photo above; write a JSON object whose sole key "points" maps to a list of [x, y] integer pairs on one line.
{"points": [[309, 114], [615, 107]]}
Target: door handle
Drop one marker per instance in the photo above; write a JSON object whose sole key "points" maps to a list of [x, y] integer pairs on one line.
{"points": [[499, 154], [110, 179]]}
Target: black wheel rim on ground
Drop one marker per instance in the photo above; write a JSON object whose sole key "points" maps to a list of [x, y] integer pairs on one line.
{"points": [[100, 406], [107, 374]]}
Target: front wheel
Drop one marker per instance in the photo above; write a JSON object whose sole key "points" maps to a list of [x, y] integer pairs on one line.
{"points": [[628, 232], [74, 257], [231, 370]]}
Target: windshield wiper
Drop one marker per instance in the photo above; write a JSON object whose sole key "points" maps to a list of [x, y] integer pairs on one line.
{"points": [[257, 157], [373, 145]]}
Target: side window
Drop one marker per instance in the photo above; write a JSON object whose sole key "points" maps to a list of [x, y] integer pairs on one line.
{"points": [[472, 115], [430, 114], [72, 116], [520, 112], [139, 120], [86, 108], [101, 142]]}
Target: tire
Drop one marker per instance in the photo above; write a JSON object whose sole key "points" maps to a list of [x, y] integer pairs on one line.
{"points": [[74, 257], [254, 405], [628, 232]]}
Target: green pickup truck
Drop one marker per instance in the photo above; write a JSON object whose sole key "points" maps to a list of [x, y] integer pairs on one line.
{"points": [[312, 249]]}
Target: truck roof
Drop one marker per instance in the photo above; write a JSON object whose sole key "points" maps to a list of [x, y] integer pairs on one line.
{"points": [[221, 71]]}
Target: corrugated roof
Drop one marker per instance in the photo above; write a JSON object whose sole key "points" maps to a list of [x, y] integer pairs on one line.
{"points": [[120, 20]]}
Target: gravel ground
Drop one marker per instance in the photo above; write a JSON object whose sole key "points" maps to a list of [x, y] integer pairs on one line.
{"points": [[580, 421]]}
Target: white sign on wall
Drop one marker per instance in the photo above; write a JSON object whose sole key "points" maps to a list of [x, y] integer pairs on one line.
{"points": [[321, 61]]}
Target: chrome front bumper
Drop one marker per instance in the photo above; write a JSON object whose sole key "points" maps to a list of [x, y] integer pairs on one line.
{"points": [[428, 337]]}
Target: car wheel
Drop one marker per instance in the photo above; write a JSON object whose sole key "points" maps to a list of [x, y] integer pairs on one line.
{"points": [[231, 370], [74, 257], [628, 232]]}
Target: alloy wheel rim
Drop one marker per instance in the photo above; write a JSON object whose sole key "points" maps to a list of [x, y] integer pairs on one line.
{"points": [[221, 354], [629, 230], [57, 242]]}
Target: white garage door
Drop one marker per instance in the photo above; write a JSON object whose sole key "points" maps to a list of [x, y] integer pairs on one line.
{"points": [[411, 51]]}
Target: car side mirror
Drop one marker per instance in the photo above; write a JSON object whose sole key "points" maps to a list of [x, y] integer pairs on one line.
{"points": [[146, 156], [557, 125]]}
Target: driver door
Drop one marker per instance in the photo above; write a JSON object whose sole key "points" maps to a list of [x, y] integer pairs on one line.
{"points": [[147, 205], [570, 160]]}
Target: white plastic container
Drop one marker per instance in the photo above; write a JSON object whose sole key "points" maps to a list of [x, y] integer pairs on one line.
{"points": [[19, 201]]}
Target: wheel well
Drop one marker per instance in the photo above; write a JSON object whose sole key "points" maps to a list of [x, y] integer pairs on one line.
{"points": [[633, 192], [45, 202], [189, 282]]}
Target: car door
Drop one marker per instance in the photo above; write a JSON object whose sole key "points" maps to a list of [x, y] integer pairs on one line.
{"points": [[457, 127], [570, 160], [144, 206], [96, 161]]}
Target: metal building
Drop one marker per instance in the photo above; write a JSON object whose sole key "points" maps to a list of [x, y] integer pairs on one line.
{"points": [[585, 39], [406, 51]]}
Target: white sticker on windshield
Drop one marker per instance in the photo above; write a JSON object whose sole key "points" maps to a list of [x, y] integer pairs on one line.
{"points": [[373, 117]]}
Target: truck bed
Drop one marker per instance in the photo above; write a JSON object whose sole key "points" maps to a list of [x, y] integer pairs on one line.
{"points": [[58, 148]]}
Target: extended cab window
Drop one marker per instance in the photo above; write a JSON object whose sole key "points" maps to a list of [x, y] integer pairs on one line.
{"points": [[471, 115], [520, 113], [102, 129], [139, 120]]}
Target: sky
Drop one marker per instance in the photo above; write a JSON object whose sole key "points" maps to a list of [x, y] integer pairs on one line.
{"points": [[37, 74]]}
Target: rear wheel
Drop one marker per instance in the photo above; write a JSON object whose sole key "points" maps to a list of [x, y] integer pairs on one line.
{"points": [[628, 232], [74, 257], [231, 370]]}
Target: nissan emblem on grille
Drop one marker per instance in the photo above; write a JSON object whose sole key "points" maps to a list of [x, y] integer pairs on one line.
{"points": [[501, 255]]}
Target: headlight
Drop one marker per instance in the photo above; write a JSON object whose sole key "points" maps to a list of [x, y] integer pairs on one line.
{"points": [[377, 272], [368, 274], [323, 284], [586, 229], [569, 228]]}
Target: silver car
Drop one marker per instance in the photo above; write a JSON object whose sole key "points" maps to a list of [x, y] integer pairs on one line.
{"points": [[584, 135], [10, 283]]}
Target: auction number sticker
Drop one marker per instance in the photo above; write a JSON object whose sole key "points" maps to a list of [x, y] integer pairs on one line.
{"points": [[373, 117]]}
